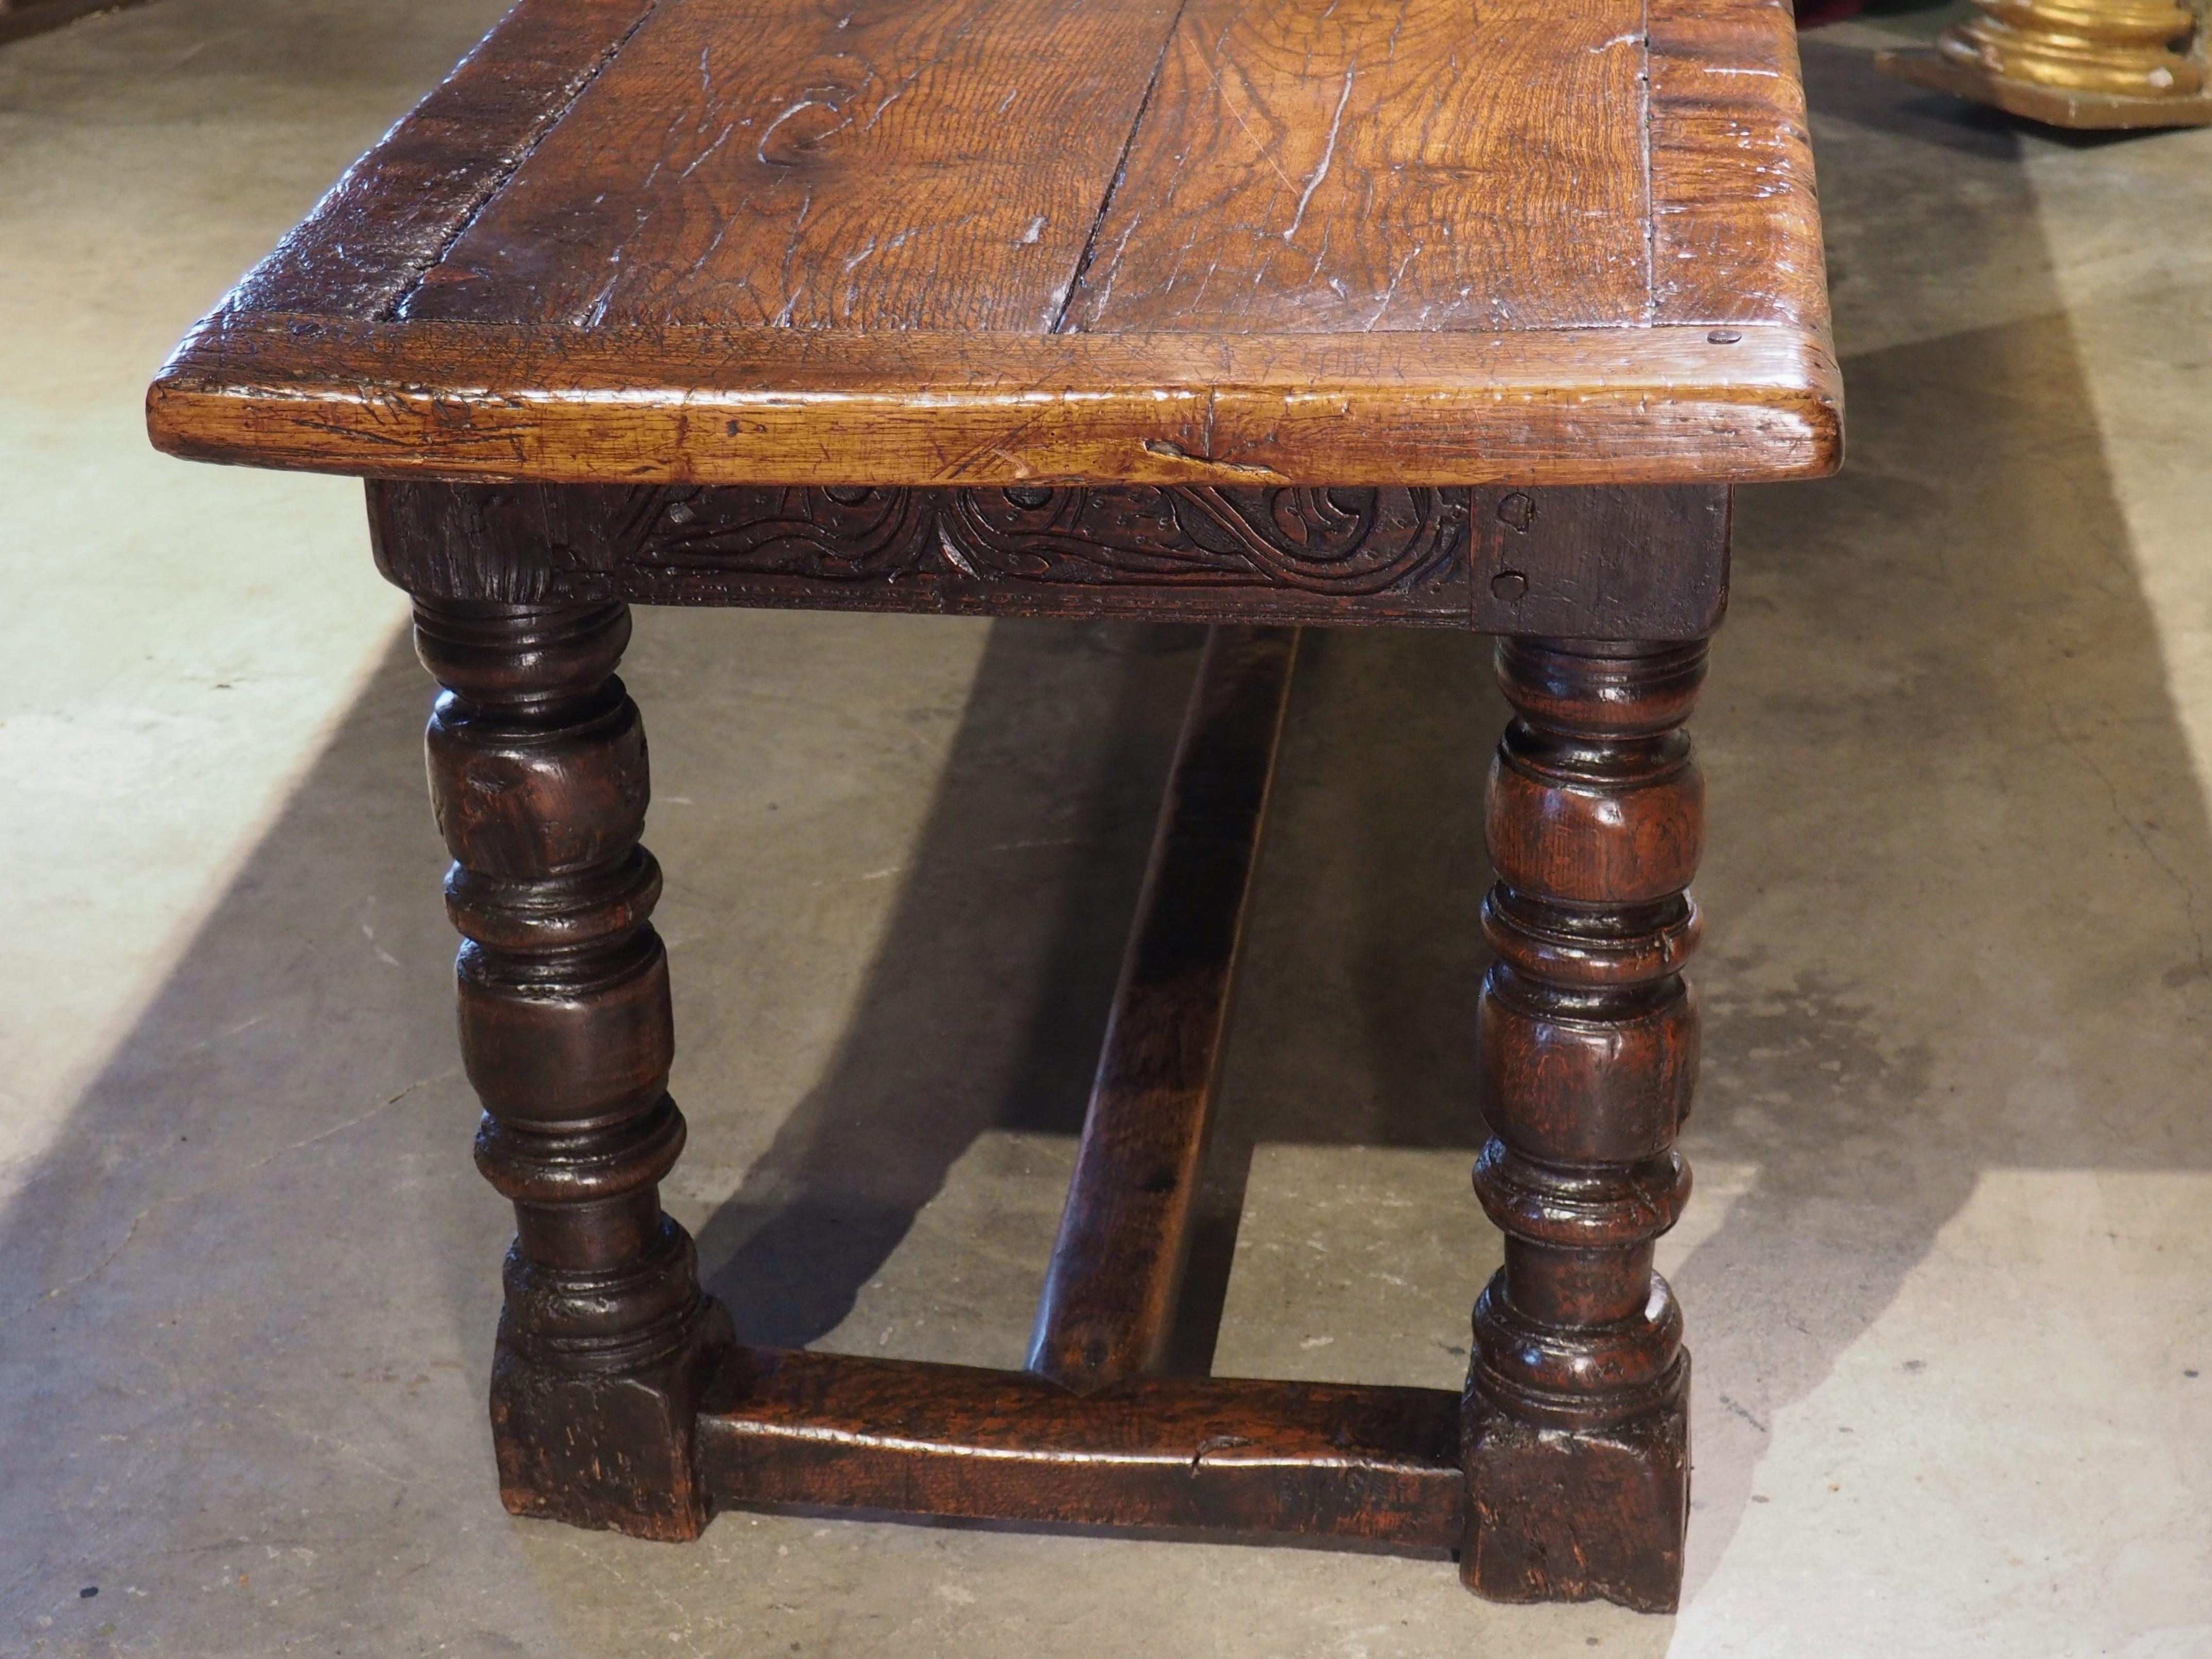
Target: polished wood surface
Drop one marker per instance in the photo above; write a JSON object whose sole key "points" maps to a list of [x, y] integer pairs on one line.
{"points": [[930, 168], [703, 406], [1107, 1310], [1587, 1045], [538, 776], [1219, 1454], [1396, 166], [990, 241]]}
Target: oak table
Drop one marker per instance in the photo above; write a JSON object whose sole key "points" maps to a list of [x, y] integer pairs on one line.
{"points": [[1314, 312]]}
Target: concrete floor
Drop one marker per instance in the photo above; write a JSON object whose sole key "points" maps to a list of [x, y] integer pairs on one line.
{"points": [[1949, 1275]]}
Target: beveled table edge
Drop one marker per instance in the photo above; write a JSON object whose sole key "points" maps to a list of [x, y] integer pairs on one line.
{"points": [[1672, 403]]}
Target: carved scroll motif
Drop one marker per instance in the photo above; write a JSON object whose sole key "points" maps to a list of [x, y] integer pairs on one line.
{"points": [[1649, 562], [1319, 541]]}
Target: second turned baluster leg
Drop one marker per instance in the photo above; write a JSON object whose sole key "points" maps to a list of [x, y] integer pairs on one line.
{"points": [[1577, 1429], [537, 773]]}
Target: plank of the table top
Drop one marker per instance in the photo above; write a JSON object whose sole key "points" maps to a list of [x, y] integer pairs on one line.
{"points": [[1304, 164], [458, 400], [1736, 231], [873, 164], [1346, 165], [397, 209], [487, 294]]}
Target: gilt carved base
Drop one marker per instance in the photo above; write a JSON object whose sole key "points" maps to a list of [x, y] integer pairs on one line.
{"points": [[2088, 65]]}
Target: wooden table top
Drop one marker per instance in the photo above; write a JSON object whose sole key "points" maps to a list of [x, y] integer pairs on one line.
{"points": [[982, 241]]}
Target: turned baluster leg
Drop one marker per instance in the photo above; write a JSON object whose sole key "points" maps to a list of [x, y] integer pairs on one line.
{"points": [[1575, 1426], [537, 773]]}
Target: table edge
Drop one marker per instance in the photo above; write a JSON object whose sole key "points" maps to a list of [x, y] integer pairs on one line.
{"points": [[1672, 403]]}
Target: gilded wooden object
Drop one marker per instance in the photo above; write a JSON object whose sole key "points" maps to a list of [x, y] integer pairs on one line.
{"points": [[2088, 64]]}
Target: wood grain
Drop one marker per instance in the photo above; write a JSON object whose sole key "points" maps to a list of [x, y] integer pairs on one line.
{"points": [[1348, 164], [538, 778], [1658, 405], [1736, 224], [1250, 1458], [1107, 1310], [1229, 217], [875, 164], [396, 211], [1586, 1042], [1601, 564]]}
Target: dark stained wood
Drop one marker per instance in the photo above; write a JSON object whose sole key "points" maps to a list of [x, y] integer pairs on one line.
{"points": [[538, 774], [1604, 564], [1576, 1445], [1247, 1458], [1594, 1510], [1396, 165], [1109, 1306], [1005, 240], [1588, 563], [1377, 555], [618, 1397]]}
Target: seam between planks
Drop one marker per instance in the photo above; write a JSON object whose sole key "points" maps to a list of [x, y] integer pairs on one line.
{"points": [[1651, 189], [1120, 172], [499, 181]]}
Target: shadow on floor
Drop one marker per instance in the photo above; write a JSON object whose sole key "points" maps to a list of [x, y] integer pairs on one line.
{"points": [[984, 1008], [986, 1001], [1955, 826]]}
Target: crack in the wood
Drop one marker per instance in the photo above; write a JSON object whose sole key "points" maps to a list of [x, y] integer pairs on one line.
{"points": [[1651, 200], [1328, 153], [1120, 171], [1173, 451], [396, 310], [1214, 1443]]}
